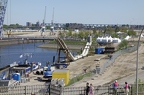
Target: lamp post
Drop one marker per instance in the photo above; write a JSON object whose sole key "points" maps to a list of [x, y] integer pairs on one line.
{"points": [[137, 63]]}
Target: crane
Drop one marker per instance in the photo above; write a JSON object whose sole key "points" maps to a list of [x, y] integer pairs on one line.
{"points": [[52, 24], [42, 30], [3, 5]]}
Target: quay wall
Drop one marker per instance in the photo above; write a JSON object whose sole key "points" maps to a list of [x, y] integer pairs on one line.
{"points": [[45, 45], [13, 42]]}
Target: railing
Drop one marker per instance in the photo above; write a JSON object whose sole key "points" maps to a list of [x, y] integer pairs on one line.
{"points": [[25, 90], [56, 90]]}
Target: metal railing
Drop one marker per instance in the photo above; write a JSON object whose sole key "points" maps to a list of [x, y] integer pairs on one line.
{"points": [[25, 90], [57, 90]]}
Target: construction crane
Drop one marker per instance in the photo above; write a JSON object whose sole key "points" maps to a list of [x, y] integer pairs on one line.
{"points": [[52, 24], [3, 5], [42, 30]]}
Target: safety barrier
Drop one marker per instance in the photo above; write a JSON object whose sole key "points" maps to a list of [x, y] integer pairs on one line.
{"points": [[58, 90]]}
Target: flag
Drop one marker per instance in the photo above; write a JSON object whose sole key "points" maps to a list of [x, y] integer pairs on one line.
{"points": [[31, 55], [21, 56]]}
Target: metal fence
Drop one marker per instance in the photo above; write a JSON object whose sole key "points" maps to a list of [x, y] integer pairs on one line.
{"points": [[25, 90], [114, 56], [56, 90], [98, 90], [102, 90]]}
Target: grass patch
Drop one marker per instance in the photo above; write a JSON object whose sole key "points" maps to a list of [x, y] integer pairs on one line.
{"points": [[70, 42], [78, 78]]}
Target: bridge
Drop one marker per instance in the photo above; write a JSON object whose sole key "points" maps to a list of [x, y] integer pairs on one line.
{"points": [[60, 42], [28, 38]]}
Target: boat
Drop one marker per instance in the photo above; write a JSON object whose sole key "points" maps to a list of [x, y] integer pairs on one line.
{"points": [[17, 71]]}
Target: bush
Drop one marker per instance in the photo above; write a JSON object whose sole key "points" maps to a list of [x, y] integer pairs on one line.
{"points": [[123, 44]]}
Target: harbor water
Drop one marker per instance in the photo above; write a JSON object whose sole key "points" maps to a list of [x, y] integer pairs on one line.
{"points": [[12, 53]]}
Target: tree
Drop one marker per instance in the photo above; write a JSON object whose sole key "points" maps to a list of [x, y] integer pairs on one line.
{"points": [[94, 31], [131, 33], [105, 30], [5, 26], [123, 44], [114, 35], [81, 35], [69, 33], [123, 29], [117, 29], [75, 35], [61, 34]]}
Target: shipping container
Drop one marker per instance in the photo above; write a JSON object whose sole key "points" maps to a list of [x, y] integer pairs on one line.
{"points": [[62, 73], [99, 50]]}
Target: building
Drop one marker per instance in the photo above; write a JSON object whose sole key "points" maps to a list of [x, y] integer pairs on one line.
{"points": [[28, 24]]}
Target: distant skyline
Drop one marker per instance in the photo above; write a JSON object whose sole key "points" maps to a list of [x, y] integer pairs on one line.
{"points": [[76, 11]]}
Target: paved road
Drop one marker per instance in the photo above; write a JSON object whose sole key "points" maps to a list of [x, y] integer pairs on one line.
{"points": [[132, 78]]}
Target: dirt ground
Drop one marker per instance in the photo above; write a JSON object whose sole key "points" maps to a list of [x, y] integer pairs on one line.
{"points": [[124, 67]]}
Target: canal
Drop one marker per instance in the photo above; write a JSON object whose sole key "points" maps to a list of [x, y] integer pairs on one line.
{"points": [[12, 53]]}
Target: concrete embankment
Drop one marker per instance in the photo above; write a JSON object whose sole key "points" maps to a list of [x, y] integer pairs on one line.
{"points": [[13, 42]]}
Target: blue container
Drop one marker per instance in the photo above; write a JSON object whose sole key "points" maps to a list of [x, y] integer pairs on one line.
{"points": [[99, 50], [16, 76]]}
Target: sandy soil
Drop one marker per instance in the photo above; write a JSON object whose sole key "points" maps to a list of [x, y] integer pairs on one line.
{"points": [[122, 70]]}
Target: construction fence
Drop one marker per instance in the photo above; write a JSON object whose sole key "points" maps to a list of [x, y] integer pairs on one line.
{"points": [[57, 90]]}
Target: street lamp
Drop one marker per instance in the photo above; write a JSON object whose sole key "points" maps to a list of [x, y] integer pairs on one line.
{"points": [[137, 63]]}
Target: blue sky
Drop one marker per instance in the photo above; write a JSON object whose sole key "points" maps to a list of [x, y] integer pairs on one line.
{"points": [[76, 11]]}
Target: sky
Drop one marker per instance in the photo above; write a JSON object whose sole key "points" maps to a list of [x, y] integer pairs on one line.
{"points": [[76, 11]]}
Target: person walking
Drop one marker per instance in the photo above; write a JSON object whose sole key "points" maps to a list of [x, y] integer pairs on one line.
{"points": [[126, 88], [87, 88], [115, 87], [91, 92]]}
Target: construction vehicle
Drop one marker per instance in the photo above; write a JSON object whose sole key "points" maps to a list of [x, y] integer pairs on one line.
{"points": [[47, 72]]}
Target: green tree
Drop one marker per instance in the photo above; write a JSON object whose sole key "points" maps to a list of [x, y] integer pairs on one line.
{"points": [[81, 35], [123, 44], [105, 30], [123, 29], [114, 35], [47, 27], [5, 26], [131, 33], [94, 31], [69, 33], [75, 35], [117, 29], [61, 34]]}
